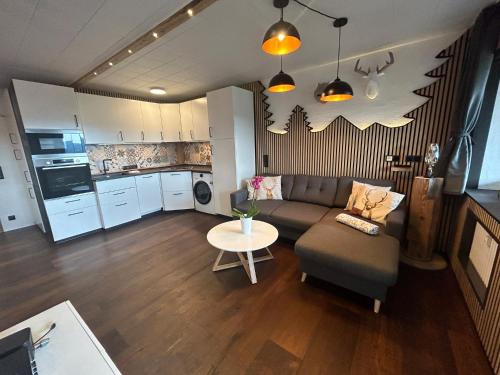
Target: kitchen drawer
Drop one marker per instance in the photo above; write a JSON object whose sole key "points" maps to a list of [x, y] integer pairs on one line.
{"points": [[176, 181], [119, 213], [118, 196], [73, 223], [115, 184], [58, 205], [178, 200]]}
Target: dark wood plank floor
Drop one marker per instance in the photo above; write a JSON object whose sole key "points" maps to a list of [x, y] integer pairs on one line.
{"points": [[148, 293]]}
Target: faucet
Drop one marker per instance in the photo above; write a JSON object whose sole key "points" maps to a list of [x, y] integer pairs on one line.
{"points": [[104, 165]]}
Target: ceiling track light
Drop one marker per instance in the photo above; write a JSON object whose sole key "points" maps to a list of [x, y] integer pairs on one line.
{"points": [[337, 90], [281, 82], [282, 37]]}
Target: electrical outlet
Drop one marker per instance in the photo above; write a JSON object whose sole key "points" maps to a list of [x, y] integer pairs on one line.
{"points": [[392, 158], [11, 217], [413, 158]]}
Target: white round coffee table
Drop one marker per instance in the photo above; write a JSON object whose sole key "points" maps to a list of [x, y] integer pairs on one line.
{"points": [[228, 237]]}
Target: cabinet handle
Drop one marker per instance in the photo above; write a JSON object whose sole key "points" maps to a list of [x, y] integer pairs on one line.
{"points": [[27, 176], [121, 135], [150, 176], [180, 136], [121, 204], [191, 133], [212, 148], [142, 135], [210, 131], [74, 200], [76, 213], [177, 193], [120, 193], [76, 120], [31, 193], [175, 174], [161, 135]]}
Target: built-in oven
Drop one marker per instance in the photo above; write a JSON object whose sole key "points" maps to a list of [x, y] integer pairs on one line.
{"points": [[61, 176], [55, 142]]}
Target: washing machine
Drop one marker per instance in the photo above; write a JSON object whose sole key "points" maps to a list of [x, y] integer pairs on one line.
{"points": [[203, 192]]}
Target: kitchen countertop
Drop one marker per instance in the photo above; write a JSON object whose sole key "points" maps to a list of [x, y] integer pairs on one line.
{"points": [[138, 172], [488, 199]]}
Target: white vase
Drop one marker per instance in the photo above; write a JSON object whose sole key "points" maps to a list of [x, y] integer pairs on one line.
{"points": [[246, 225]]}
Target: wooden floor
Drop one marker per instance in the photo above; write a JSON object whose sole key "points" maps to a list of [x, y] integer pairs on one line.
{"points": [[148, 292]]}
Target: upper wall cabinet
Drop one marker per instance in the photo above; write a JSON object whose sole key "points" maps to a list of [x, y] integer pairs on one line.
{"points": [[171, 122], [108, 120], [187, 121], [194, 119], [221, 112], [152, 130], [45, 106], [200, 119]]}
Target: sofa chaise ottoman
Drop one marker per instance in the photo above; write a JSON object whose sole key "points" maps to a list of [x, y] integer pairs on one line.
{"points": [[327, 249]]}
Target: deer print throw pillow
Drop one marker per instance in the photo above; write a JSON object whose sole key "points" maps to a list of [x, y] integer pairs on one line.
{"points": [[376, 204], [357, 188], [269, 188]]}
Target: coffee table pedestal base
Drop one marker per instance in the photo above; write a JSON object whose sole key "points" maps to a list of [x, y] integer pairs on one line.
{"points": [[248, 263]]}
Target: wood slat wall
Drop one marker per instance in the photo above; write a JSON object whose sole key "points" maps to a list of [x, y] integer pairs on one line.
{"points": [[342, 149], [486, 318]]}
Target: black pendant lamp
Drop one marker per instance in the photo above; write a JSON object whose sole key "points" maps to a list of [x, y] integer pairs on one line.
{"points": [[281, 82], [282, 38], [338, 90]]}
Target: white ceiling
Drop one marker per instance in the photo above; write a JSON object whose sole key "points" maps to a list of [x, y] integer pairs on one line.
{"points": [[60, 40]]}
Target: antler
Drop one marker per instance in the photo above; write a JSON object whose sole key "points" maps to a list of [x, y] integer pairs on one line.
{"points": [[357, 69], [387, 63]]}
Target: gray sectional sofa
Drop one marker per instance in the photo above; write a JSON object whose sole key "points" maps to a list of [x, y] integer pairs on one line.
{"points": [[327, 249]]}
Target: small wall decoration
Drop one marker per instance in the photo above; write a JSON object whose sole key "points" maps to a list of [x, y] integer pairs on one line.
{"points": [[372, 87], [408, 66]]}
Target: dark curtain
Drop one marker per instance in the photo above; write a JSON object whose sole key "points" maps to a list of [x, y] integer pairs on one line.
{"points": [[455, 163]]}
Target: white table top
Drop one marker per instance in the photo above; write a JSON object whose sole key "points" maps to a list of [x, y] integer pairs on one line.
{"points": [[73, 348], [229, 237]]}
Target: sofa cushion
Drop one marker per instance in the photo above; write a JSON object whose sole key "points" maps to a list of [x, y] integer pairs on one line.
{"points": [[298, 215], [286, 186], [350, 251], [314, 189], [344, 188], [266, 207]]}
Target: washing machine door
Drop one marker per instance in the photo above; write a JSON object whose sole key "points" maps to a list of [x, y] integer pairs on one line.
{"points": [[202, 192]]}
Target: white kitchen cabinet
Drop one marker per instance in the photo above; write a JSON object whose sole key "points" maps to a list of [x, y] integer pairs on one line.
{"points": [[231, 116], [175, 181], [178, 200], [99, 122], [108, 120], [118, 201], [149, 193], [199, 109], [152, 131], [44, 106], [171, 122], [73, 223], [118, 213], [129, 117], [177, 190], [187, 121], [220, 113], [73, 215]]}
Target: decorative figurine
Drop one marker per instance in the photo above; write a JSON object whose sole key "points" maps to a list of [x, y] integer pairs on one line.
{"points": [[431, 158]]}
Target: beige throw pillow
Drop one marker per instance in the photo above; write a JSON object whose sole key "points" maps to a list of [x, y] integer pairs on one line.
{"points": [[376, 204], [357, 188], [270, 188]]}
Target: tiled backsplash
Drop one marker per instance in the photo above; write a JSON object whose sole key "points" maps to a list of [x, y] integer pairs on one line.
{"points": [[147, 155]]}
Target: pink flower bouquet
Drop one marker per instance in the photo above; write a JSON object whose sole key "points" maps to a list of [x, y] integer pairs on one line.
{"points": [[252, 211]]}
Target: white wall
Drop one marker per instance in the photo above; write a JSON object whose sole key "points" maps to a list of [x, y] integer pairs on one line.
{"points": [[490, 172], [14, 194]]}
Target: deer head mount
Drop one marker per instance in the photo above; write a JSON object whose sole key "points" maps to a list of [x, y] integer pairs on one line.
{"points": [[372, 88]]}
